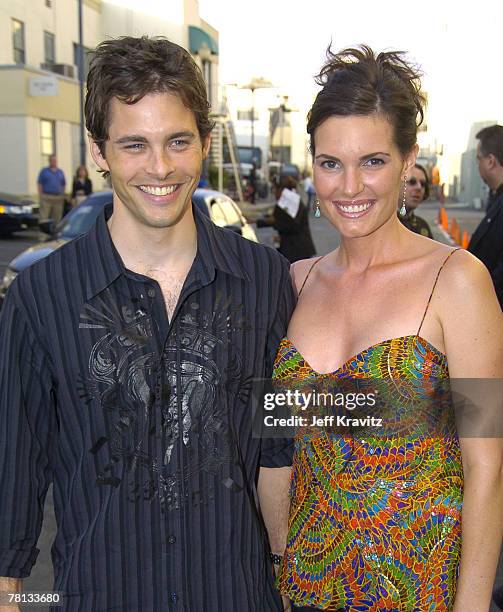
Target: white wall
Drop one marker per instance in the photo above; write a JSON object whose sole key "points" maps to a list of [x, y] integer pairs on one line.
{"points": [[119, 21], [13, 154]]}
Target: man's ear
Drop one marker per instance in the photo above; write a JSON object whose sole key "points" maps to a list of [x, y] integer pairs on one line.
{"points": [[206, 146], [491, 161], [97, 156]]}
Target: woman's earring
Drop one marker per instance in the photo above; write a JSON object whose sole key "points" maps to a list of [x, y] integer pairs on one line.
{"points": [[317, 211], [403, 210]]}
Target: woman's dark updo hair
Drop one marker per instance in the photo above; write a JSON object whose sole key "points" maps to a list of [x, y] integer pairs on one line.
{"points": [[357, 82]]}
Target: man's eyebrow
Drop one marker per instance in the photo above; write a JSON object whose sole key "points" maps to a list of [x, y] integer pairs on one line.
{"points": [[137, 138], [184, 134], [363, 158], [130, 138]]}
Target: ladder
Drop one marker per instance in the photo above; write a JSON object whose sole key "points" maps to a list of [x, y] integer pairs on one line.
{"points": [[224, 132]]}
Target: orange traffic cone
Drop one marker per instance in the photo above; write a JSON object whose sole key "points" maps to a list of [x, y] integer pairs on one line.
{"points": [[455, 232], [465, 240], [444, 219]]}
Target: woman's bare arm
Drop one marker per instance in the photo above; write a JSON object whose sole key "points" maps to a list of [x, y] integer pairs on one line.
{"points": [[472, 324]]}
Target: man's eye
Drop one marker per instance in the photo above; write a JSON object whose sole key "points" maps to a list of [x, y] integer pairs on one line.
{"points": [[179, 143], [137, 146]]}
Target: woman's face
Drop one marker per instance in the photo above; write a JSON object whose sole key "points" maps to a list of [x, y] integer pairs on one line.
{"points": [[416, 183], [358, 172]]}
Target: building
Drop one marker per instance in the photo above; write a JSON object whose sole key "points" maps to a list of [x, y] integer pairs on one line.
{"points": [[39, 55]]}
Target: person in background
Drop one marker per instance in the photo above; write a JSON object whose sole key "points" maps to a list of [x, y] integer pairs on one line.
{"points": [[417, 189], [82, 185], [309, 190], [291, 220], [486, 242], [51, 190]]}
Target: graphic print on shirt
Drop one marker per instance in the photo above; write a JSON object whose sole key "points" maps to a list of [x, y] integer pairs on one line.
{"points": [[166, 418]]}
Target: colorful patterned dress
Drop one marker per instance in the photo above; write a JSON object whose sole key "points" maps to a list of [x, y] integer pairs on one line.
{"points": [[375, 521]]}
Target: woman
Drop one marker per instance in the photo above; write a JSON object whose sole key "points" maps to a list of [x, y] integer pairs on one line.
{"points": [[375, 524], [290, 219], [417, 190], [82, 186]]}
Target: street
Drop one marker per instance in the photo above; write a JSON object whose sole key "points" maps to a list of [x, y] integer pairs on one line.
{"points": [[325, 238]]}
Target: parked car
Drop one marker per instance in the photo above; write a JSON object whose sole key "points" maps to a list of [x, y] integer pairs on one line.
{"points": [[223, 211], [16, 214]]}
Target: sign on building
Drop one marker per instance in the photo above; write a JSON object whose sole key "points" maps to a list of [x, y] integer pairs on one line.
{"points": [[43, 86]]}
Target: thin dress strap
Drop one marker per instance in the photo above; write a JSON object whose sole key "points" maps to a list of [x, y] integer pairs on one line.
{"points": [[434, 285], [307, 275]]}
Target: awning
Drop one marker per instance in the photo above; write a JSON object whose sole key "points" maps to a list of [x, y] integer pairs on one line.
{"points": [[199, 38]]}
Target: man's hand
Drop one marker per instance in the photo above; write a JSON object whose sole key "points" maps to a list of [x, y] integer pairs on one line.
{"points": [[10, 585]]}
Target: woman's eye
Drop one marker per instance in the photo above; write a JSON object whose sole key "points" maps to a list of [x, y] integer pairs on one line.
{"points": [[330, 164], [374, 161]]}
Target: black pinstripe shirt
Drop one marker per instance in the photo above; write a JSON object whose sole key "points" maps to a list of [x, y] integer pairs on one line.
{"points": [[142, 424]]}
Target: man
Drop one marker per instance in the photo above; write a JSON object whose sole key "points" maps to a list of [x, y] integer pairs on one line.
{"points": [[51, 190], [487, 241], [126, 363]]}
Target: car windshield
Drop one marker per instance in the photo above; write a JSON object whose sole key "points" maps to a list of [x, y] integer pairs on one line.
{"points": [[79, 221]]}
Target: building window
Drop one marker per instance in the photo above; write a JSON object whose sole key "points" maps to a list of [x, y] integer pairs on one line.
{"points": [[49, 52], [47, 140], [18, 41], [87, 58]]}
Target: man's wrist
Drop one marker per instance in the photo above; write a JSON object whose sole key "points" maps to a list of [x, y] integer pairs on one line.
{"points": [[276, 558]]}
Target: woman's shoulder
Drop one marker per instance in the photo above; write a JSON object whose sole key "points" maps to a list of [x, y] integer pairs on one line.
{"points": [[456, 266], [463, 283], [301, 269]]}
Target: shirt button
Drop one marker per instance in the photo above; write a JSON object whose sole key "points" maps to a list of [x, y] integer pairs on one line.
{"points": [[174, 597], [171, 539], [151, 293]]}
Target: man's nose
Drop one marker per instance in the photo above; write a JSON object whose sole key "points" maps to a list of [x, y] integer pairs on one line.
{"points": [[161, 163]]}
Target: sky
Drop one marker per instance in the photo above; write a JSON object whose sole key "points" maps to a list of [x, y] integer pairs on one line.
{"points": [[456, 44]]}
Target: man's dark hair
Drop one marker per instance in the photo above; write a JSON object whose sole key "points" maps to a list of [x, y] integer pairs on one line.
{"points": [[491, 141], [129, 68], [357, 82]]}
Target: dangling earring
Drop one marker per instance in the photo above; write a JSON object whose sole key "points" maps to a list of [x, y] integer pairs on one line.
{"points": [[317, 211], [403, 210]]}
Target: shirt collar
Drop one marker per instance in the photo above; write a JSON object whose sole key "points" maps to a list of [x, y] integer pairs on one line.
{"points": [[106, 265]]}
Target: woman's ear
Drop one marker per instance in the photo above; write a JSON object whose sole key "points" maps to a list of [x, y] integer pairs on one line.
{"points": [[410, 159]]}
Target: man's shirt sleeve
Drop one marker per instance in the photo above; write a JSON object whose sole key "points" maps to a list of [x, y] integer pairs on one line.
{"points": [[278, 452], [27, 425]]}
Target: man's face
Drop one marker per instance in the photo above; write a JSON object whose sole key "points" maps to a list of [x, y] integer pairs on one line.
{"points": [[53, 161], [154, 155], [483, 164]]}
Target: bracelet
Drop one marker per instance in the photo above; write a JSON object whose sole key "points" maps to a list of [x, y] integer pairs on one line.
{"points": [[275, 558]]}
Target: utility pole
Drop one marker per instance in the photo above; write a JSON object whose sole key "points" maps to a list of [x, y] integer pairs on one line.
{"points": [[80, 53]]}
